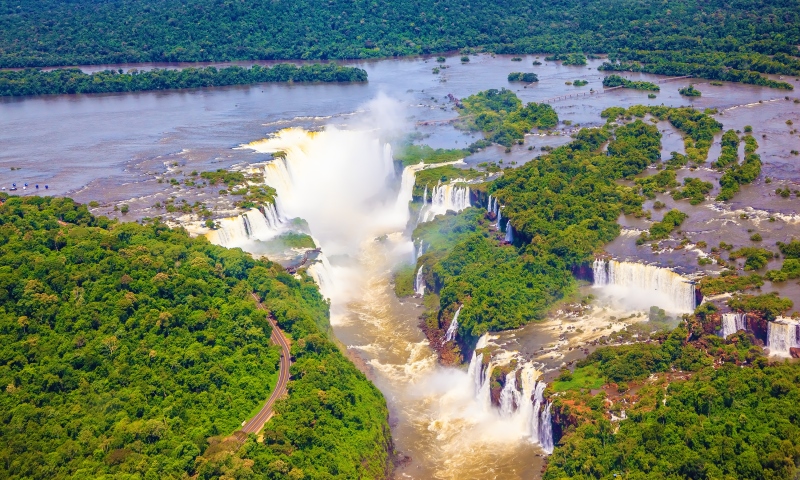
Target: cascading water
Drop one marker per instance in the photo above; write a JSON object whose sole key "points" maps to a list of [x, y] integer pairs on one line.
{"points": [[253, 224], [646, 284], [509, 232], [782, 335], [732, 323], [525, 407], [453, 328], [499, 215], [419, 283], [448, 197], [510, 396]]}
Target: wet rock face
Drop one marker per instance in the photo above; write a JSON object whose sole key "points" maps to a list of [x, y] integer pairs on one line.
{"points": [[794, 352]]}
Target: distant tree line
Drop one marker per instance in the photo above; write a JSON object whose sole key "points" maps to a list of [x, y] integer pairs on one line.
{"points": [[73, 80], [54, 32]]}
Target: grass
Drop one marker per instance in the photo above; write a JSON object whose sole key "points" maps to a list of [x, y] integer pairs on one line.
{"points": [[413, 154], [404, 281], [588, 377]]}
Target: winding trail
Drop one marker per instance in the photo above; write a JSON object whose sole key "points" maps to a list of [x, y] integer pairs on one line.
{"points": [[255, 424]]}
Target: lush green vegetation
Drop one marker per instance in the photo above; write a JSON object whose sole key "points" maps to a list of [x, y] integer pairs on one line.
{"points": [[689, 91], [755, 258], [567, 58], [658, 183], [723, 422], [522, 77], [73, 80], [50, 32], [694, 189], [788, 271], [563, 207], [699, 70], [430, 177], [769, 305], [661, 230], [617, 81], [126, 349], [697, 127], [736, 174], [580, 83], [502, 118], [791, 249], [411, 154], [729, 282], [729, 154]]}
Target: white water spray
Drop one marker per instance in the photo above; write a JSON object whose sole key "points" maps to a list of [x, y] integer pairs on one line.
{"points": [[509, 232], [732, 323], [645, 285], [783, 334], [453, 196], [419, 283], [453, 328]]}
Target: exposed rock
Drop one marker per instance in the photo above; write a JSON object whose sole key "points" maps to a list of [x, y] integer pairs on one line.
{"points": [[794, 352]]}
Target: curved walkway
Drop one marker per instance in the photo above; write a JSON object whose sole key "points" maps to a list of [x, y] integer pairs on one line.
{"points": [[255, 424]]}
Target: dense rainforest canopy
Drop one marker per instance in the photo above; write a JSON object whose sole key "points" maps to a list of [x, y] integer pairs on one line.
{"points": [[54, 32], [125, 349], [696, 406], [73, 80]]}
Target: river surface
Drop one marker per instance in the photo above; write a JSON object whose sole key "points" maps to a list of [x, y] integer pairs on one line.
{"points": [[124, 148]]}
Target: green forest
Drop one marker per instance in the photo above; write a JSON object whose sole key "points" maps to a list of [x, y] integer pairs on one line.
{"points": [[53, 32], [711, 408], [563, 207], [73, 80], [130, 350]]}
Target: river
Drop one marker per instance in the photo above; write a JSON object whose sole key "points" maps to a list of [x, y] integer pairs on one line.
{"points": [[125, 148]]}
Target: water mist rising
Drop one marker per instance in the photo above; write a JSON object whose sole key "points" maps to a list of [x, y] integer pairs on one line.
{"points": [[645, 285]]}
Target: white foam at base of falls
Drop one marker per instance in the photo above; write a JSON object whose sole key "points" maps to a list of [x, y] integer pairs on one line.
{"points": [[645, 285], [782, 334], [732, 323], [523, 404]]}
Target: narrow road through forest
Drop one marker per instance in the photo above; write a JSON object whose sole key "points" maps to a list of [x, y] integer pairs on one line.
{"points": [[255, 424]]}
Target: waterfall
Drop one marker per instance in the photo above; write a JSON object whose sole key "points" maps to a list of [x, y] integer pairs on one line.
{"points": [[475, 371], [732, 323], [646, 283], [447, 197], [489, 205], [419, 283], [783, 334], [253, 224], [453, 328], [509, 232], [538, 399], [525, 405], [546, 430], [424, 204], [510, 396], [499, 215]]}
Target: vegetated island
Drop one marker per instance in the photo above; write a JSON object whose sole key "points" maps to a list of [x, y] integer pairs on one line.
{"points": [[132, 350], [73, 80], [689, 91], [617, 81], [522, 77], [502, 117]]}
